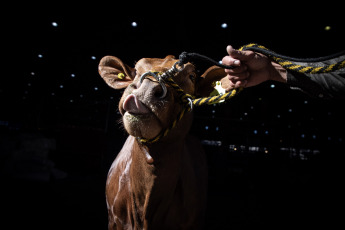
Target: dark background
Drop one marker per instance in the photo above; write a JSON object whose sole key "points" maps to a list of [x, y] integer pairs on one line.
{"points": [[275, 155]]}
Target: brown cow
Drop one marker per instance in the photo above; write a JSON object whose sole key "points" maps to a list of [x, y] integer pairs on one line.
{"points": [[161, 185]]}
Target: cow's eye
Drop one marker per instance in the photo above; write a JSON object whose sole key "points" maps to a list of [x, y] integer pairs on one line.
{"points": [[192, 77]]}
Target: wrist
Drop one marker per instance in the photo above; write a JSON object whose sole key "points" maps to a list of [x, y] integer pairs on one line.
{"points": [[278, 73]]}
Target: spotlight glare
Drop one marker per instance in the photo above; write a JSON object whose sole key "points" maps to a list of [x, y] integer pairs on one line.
{"points": [[327, 28]]}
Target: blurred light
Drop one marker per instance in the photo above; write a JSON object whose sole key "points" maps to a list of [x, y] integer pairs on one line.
{"points": [[134, 24], [54, 24], [327, 28], [255, 131], [273, 86], [32, 74], [72, 75], [96, 88], [40, 56], [224, 25], [93, 57], [206, 127], [253, 148], [61, 86]]}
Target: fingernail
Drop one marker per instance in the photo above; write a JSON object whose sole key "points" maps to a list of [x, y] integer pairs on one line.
{"points": [[237, 62]]}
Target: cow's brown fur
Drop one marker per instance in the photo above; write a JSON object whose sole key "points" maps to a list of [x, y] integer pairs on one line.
{"points": [[161, 185]]}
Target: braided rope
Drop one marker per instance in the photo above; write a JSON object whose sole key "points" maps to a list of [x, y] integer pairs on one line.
{"points": [[185, 99], [284, 61], [287, 62]]}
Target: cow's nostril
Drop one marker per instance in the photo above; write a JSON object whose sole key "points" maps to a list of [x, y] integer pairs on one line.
{"points": [[159, 92]]}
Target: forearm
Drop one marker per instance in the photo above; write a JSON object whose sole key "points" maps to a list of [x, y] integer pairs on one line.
{"points": [[328, 85], [324, 85]]}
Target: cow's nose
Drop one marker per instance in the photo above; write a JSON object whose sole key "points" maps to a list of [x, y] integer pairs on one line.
{"points": [[153, 88], [158, 79]]}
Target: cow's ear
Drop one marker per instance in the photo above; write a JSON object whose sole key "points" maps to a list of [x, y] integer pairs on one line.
{"points": [[115, 73], [206, 83]]}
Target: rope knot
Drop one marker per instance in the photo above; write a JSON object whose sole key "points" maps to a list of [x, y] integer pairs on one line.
{"points": [[188, 100], [183, 58]]}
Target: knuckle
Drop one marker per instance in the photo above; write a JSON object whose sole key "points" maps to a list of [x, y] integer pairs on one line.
{"points": [[226, 60]]}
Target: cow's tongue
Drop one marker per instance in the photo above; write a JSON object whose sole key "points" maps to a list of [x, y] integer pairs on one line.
{"points": [[131, 104]]}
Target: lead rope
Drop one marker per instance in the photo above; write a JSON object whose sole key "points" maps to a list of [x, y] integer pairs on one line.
{"points": [[189, 101]]}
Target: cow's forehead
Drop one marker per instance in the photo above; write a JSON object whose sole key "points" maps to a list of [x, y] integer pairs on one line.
{"points": [[158, 64], [155, 64]]}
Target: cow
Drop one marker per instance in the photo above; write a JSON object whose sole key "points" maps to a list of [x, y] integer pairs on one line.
{"points": [[161, 185]]}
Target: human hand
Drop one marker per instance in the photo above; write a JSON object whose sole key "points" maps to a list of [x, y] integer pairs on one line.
{"points": [[251, 68]]}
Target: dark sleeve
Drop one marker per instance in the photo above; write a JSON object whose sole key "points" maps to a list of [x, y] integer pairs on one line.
{"points": [[325, 85]]}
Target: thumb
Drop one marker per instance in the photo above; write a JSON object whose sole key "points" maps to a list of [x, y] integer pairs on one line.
{"points": [[240, 55]]}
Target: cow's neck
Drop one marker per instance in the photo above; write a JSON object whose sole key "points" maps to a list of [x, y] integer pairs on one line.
{"points": [[155, 171], [159, 161], [163, 158]]}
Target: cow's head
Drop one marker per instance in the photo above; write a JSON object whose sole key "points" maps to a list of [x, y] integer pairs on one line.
{"points": [[146, 110]]}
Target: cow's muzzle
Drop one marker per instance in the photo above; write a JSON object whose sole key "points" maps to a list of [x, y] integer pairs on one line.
{"points": [[159, 76], [160, 80]]}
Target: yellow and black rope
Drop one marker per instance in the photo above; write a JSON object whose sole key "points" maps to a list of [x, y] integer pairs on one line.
{"points": [[286, 62], [289, 62]]}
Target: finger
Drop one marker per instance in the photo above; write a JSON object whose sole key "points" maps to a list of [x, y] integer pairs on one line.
{"points": [[239, 84], [239, 76], [237, 70], [231, 86], [240, 55], [227, 60], [236, 85]]}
